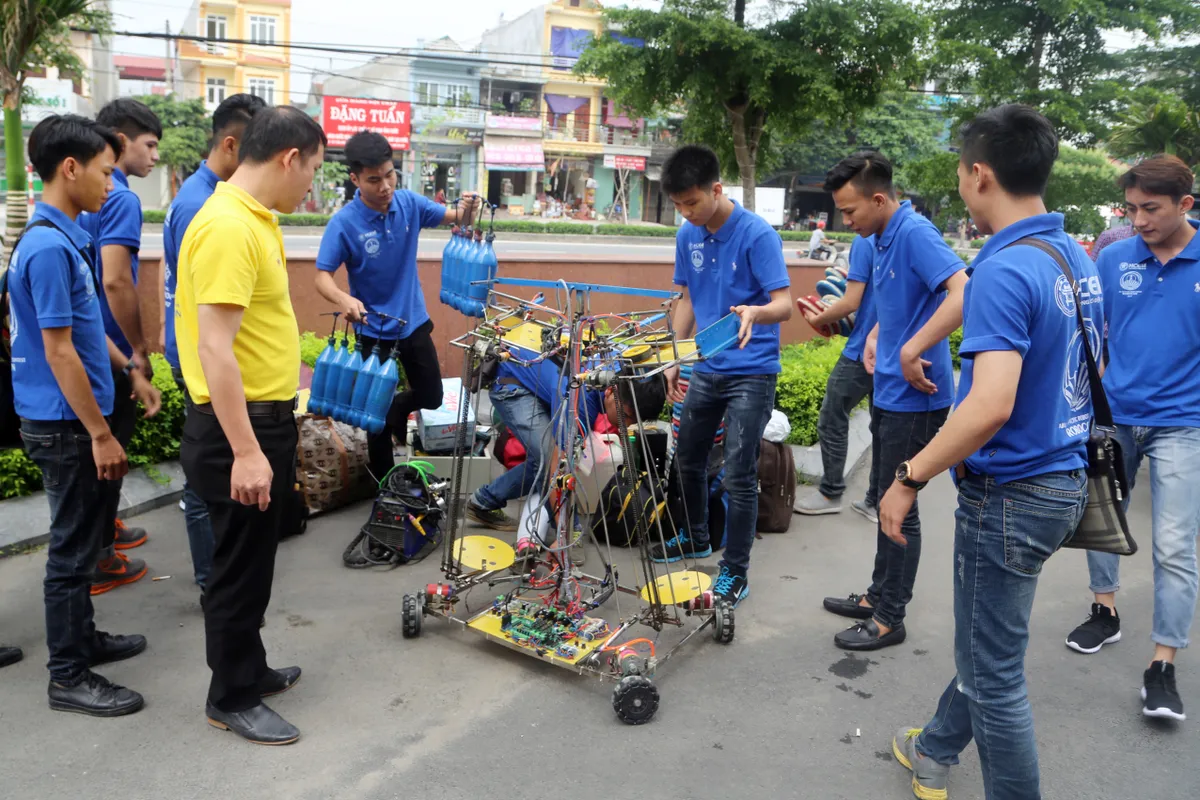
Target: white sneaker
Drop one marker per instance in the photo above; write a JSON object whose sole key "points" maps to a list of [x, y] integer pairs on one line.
{"points": [[182, 505], [815, 504], [870, 512]]}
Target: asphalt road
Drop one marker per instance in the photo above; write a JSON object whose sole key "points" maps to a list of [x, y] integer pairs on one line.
{"points": [[780, 713]]}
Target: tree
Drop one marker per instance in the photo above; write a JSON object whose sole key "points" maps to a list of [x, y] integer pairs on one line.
{"points": [[1173, 69], [1051, 55], [187, 134], [34, 34], [1157, 123], [331, 175], [902, 126], [1080, 181], [741, 86]]}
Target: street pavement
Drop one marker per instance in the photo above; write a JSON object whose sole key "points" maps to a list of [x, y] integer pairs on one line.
{"points": [[780, 713]]}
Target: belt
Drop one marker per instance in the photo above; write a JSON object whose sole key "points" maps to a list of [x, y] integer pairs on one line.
{"points": [[263, 408]]}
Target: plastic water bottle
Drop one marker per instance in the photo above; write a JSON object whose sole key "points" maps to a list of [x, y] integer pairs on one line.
{"points": [[356, 416], [345, 384], [333, 375], [447, 261], [489, 265], [316, 393], [383, 389]]}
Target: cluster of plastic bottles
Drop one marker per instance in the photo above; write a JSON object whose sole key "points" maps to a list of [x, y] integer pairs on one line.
{"points": [[352, 389], [468, 260]]}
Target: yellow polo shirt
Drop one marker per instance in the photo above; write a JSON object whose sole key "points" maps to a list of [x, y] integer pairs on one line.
{"points": [[232, 254]]}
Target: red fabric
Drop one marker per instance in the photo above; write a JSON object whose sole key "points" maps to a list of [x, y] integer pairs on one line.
{"points": [[513, 452]]}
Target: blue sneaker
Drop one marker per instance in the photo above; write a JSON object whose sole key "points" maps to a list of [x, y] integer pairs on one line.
{"points": [[677, 549], [731, 588]]}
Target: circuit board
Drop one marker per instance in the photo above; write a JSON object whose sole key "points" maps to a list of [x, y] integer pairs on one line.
{"points": [[543, 630]]}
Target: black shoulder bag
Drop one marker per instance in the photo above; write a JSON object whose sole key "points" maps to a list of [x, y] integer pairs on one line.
{"points": [[1103, 527]]}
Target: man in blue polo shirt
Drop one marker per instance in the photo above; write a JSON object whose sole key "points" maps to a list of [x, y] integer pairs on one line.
{"points": [[62, 365], [116, 231], [918, 285], [848, 384], [1152, 305], [228, 124], [1018, 443], [375, 237], [727, 260]]}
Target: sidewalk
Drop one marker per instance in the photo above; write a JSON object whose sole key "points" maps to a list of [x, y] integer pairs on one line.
{"points": [[779, 714]]}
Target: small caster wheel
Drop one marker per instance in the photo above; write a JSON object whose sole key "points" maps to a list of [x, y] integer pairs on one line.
{"points": [[635, 699], [411, 613], [723, 623]]}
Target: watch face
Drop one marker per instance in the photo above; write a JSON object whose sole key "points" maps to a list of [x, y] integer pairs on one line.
{"points": [[902, 472]]}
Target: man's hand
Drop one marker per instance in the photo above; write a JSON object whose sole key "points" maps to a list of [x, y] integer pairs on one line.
{"points": [[869, 355], [811, 318], [141, 363], [353, 308], [468, 205], [674, 393], [250, 480], [893, 509], [111, 463], [748, 315], [146, 393], [913, 367]]}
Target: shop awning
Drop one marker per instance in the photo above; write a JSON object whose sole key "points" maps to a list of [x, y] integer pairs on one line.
{"points": [[616, 117], [514, 154], [563, 104]]}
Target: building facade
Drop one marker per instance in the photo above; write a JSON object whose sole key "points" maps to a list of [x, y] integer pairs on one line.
{"points": [[447, 119], [244, 50]]}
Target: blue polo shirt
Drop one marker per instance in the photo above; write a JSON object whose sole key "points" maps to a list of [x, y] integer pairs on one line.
{"points": [[862, 261], [1153, 313], [380, 254], [546, 381], [51, 285], [740, 264], [912, 261], [192, 195], [1018, 299], [119, 221]]}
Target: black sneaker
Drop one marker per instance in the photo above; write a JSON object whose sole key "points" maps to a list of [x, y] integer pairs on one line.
{"points": [[493, 518], [10, 655], [1103, 626], [731, 588], [107, 647], [677, 549], [1160, 698], [95, 696]]}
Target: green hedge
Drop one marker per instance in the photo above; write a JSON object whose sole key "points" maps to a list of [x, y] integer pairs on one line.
{"points": [[801, 386], [955, 341], [978, 243]]}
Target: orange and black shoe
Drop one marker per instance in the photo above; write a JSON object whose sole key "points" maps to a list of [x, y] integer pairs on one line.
{"points": [[129, 538], [116, 571]]}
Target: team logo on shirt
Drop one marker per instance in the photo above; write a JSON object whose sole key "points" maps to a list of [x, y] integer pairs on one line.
{"points": [[371, 246], [1131, 282], [1076, 388], [1064, 295], [698, 256], [86, 274]]}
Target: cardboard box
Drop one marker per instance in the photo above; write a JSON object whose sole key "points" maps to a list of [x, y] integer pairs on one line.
{"points": [[438, 429]]}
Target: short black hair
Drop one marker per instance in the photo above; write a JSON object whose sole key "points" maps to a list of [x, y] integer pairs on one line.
{"points": [[692, 165], [237, 109], [869, 170], [1017, 142], [367, 149], [278, 128], [130, 117], [57, 138], [1162, 175], [647, 395]]}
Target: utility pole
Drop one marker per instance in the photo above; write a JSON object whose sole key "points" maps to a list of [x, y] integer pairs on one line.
{"points": [[170, 63]]}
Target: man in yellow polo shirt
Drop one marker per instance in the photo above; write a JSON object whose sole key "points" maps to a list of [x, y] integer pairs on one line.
{"points": [[240, 356]]}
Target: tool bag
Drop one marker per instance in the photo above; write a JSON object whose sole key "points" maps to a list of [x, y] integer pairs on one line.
{"points": [[776, 486], [405, 522]]}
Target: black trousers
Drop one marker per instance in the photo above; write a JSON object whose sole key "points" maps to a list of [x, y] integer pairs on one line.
{"points": [[244, 543], [122, 421], [419, 359]]}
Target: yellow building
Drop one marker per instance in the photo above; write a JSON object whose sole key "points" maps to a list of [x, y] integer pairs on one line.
{"points": [[242, 52]]}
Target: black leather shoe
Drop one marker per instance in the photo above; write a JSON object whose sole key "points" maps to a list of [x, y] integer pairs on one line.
{"points": [[849, 606], [259, 725], [95, 696], [108, 647], [865, 636], [10, 655], [278, 681]]}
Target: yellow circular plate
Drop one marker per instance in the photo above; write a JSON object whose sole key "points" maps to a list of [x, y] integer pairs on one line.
{"points": [[679, 587], [639, 352], [483, 552]]}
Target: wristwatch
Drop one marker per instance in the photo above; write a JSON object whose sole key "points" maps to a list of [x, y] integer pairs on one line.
{"points": [[128, 369], [903, 473]]}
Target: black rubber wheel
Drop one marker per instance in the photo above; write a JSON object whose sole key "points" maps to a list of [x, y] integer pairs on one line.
{"points": [[411, 613], [723, 623], [635, 700]]}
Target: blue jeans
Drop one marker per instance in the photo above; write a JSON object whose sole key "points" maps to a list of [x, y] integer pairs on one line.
{"points": [[1174, 455], [529, 420], [1003, 533], [745, 403], [78, 499], [195, 516]]}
